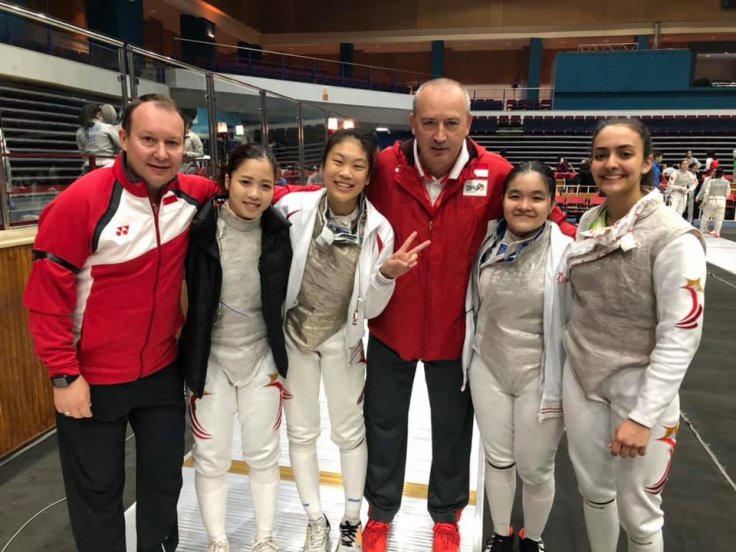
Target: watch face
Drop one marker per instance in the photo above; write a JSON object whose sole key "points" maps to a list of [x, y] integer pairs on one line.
{"points": [[63, 381]]}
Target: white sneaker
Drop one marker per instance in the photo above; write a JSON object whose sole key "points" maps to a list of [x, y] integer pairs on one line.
{"points": [[265, 545], [219, 546], [351, 537], [318, 536]]}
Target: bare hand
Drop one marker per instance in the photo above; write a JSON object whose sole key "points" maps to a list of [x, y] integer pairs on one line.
{"points": [[73, 401], [630, 440], [403, 259]]}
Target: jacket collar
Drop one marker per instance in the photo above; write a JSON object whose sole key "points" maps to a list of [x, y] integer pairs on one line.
{"points": [[405, 150], [204, 224], [132, 182], [408, 177]]}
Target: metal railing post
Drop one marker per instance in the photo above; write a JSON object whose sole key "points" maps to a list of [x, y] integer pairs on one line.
{"points": [[122, 77], [300, 138], [212, 116], [264, 119], [131, 73], [4, 198]]}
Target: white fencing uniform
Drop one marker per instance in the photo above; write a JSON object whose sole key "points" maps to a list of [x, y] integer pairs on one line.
{"points": [[513, 356], [680, 185], [628, 347], [714, 195], [335, 359], [242, 381]]}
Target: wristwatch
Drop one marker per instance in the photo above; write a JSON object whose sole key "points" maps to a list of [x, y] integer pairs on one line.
{"points": [[63, 381]]}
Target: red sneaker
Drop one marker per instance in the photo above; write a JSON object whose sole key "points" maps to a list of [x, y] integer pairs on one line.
{"points": [[446, 538], [375, 536]]}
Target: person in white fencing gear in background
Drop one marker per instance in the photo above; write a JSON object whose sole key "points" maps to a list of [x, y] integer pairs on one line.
{"points": [[680, 185], [713, 195], [96, 138]]}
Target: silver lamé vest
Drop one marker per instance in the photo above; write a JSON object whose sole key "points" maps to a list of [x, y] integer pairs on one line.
{"points": [[613, 313], [324, 296], [510, 332], [239, 335], [718, 190]]}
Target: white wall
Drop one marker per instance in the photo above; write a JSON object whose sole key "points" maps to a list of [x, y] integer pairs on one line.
{"points": [[20, 63]]}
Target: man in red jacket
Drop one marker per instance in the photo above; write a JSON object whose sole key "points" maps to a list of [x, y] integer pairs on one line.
{"points": [[446, 187], [104, 308]]}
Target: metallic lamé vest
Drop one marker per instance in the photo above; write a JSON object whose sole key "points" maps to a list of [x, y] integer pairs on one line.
{"points": [[718, 191], [613, 313], [324, 297], [239, 333], [510, 335]]}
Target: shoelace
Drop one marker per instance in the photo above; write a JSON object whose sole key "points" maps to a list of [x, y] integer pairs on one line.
{"points": [[371, 533], [219, 547], [348, 534], [539, 545], [447, 534], [494, 540], [317, 537], [265, 545]]}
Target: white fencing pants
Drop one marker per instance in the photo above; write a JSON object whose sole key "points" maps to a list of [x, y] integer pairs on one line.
{"points": [[635, 484], [257, 405], [678, 201], [515, 441], [343, 383], [713, 209]]}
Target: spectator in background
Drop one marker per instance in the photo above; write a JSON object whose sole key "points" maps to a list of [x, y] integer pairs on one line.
{"points": [[109, 114], [657, 169], [193, 150], [692, 159], [711, 164], [585, 176], [564, 166], [96, 138]]}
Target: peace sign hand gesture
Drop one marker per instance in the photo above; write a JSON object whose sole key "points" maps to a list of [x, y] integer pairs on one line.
{"points": [[403, 259]]}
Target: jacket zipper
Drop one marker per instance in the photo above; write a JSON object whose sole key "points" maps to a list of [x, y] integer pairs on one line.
{"points": [[427, 291], [155, 209]]}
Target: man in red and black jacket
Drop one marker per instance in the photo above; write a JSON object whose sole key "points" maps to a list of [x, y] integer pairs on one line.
{"points": [[446, 187], [104, 308]]}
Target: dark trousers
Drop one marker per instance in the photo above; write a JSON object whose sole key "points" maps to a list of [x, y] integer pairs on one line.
{"points": [[388, 388], [92, 452]]}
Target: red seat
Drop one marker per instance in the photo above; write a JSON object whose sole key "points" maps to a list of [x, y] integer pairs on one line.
{"points": [[596, 200]]}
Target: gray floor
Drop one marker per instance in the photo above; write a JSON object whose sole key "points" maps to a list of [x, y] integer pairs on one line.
{"points": [[698, 501]]}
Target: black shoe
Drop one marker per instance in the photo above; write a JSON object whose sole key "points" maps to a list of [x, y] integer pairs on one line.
{"points": [[529, 545], [497, 543]]}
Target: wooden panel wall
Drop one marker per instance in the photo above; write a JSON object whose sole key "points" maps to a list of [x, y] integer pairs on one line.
{"points": [[26, 407], [343, 16]]}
